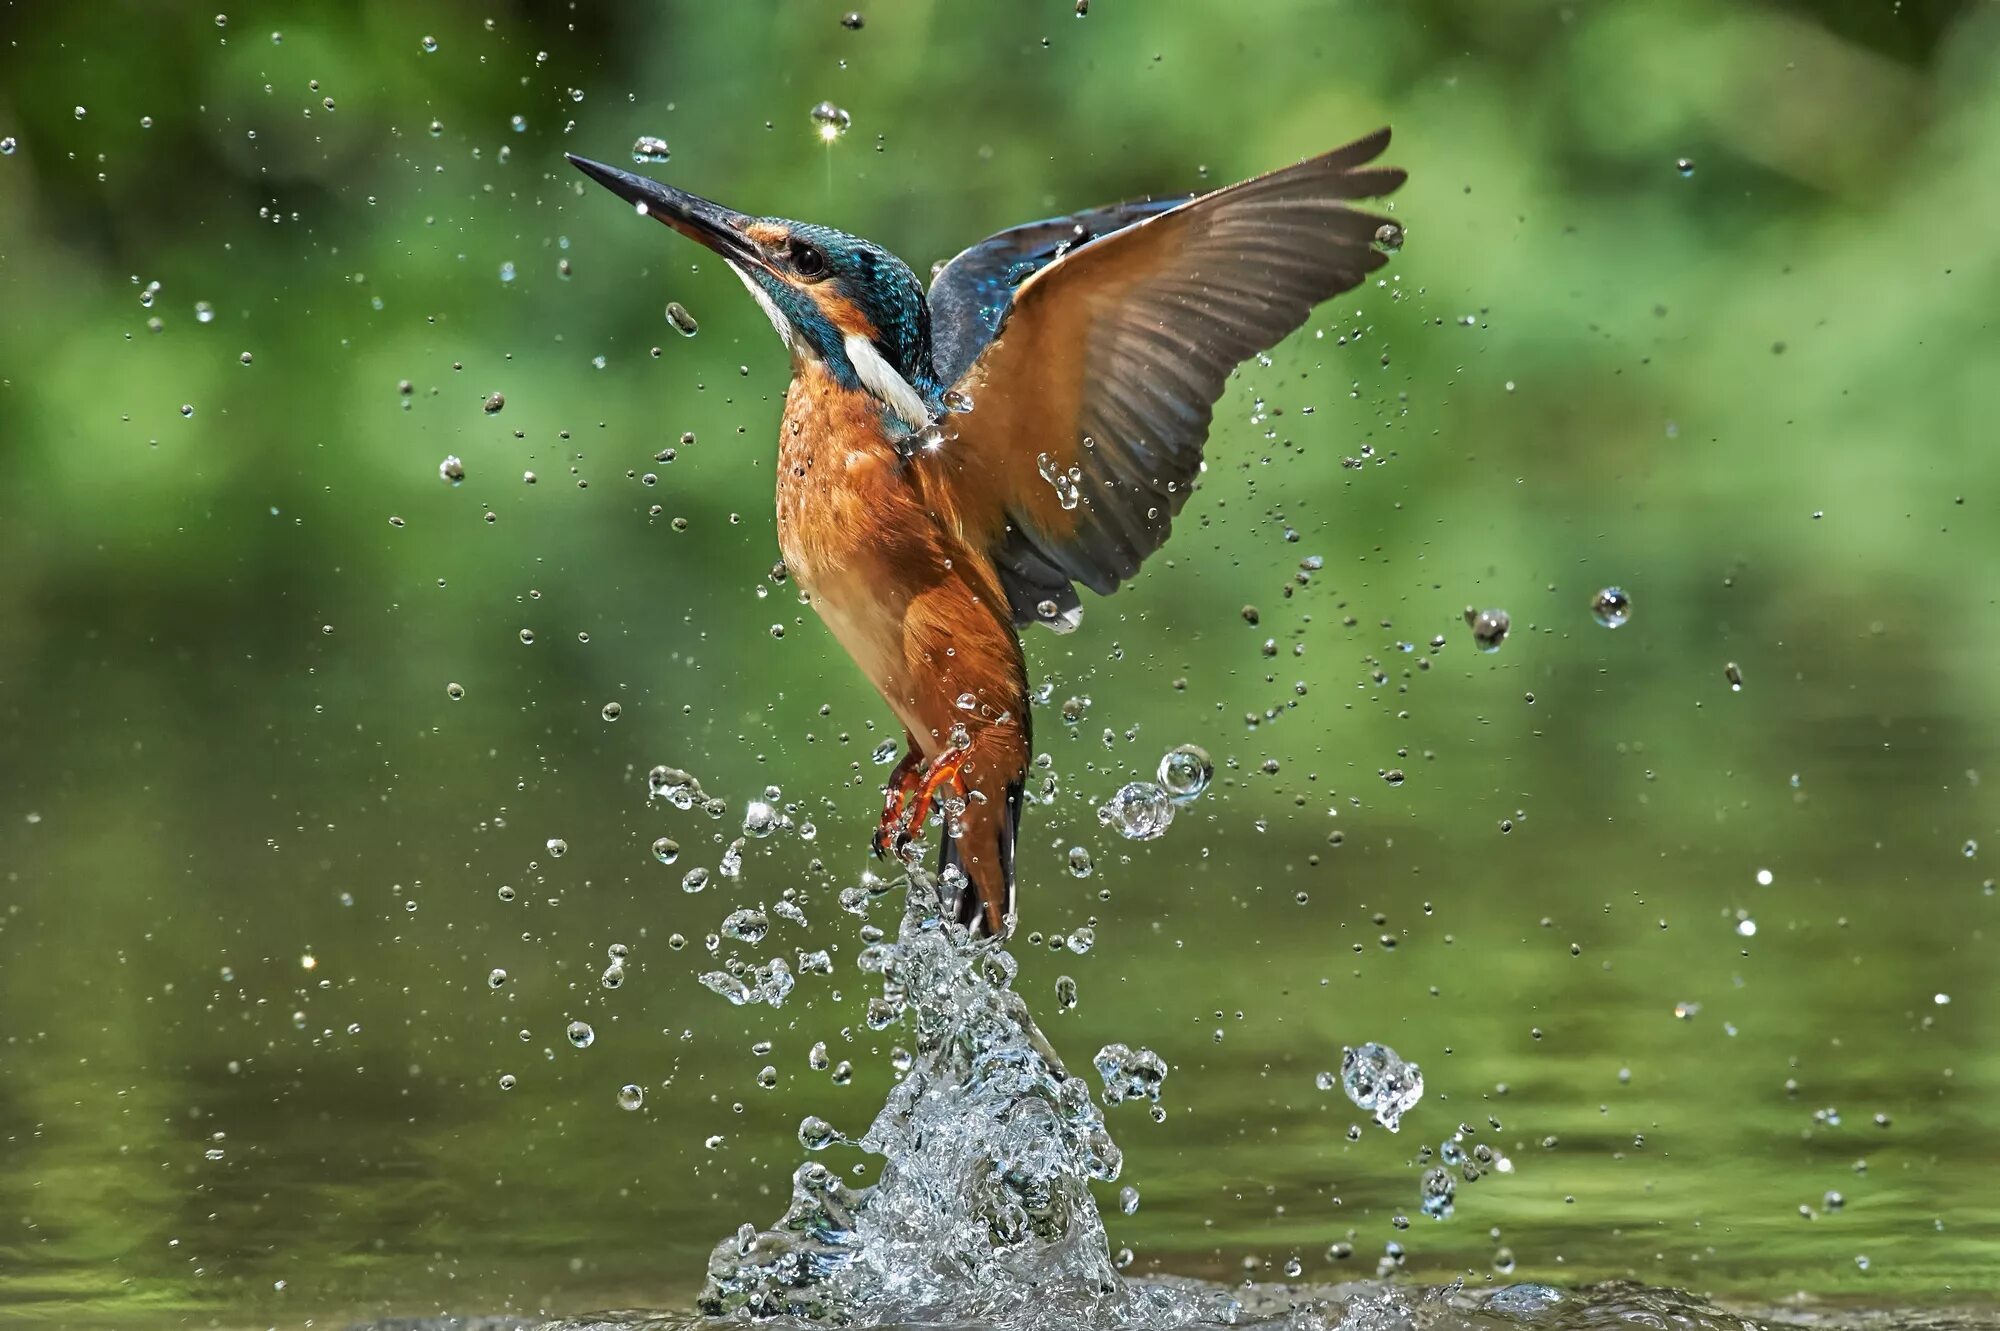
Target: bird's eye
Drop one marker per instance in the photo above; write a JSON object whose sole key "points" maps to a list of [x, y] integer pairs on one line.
{"points": [[808, 261]]}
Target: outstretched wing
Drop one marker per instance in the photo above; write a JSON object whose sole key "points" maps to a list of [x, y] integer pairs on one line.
{"points": [[1090, 406], [971, 295]]}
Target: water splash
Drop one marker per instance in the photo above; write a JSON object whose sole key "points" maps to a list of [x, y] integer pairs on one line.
{"points": [[983, 1208]]}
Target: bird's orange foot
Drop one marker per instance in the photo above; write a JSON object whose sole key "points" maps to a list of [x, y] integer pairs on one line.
{"points": [[896, 797], [903, 823]]}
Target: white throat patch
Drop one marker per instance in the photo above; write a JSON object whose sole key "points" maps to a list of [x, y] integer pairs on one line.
{"points": [[879, 377], [769, 306]]}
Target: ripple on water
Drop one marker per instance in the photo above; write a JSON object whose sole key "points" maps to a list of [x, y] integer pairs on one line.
{"points": [[1170, 1304]]}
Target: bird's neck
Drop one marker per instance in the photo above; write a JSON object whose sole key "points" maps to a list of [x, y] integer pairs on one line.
{"points": [[855, 367]]}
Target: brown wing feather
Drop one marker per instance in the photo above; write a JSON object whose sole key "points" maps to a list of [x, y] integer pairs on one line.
{"points": [[1112, 358]]}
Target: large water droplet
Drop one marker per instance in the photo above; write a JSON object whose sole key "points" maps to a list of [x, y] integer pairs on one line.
{"points": [[1440, 1190], [816, 1134], [1489, 628], [1140, 811], [1185, 771], [1130, 1074], [830, 121], [650, 148], [1377, 1079], [1611, 607], [747, 925]]}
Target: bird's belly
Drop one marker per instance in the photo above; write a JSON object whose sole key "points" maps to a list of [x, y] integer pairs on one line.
{"points": [[840, 541]]}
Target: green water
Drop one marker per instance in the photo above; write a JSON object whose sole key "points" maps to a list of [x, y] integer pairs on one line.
{"points": [[1758, 397]]}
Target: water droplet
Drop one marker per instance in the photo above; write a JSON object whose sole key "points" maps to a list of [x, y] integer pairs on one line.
{"points": [[1489, 628], [558, 847], [1611, 607], [187, 410], [430, 45], [1389, 237], [747, 925], [1140, 811], [495, 978], [759, 819], [507, 1082], [631, 1097], [885, 753], [830, 121], [648, 148], [1734, 674], [1684, 165], [1080, 865], [694, 880], [7, 146], [493, 404], [666, 850], [1440, 1191], [1128, 1200], [451, 469], [1067, 484], [683, 322], [454, 691], [81, 113], [1185, 772], [1130, 1074], [816, 1134], [1377, 1079], [611, 711], [852, 20]]}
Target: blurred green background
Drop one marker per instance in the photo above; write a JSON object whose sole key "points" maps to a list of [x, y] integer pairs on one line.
{"points": [[1759, 396]]}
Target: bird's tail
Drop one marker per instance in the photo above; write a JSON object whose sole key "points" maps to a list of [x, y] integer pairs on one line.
{"points": [[985, 856]]}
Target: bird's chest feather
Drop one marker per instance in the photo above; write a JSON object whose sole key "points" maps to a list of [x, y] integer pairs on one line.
{"points": [[842, 487]]}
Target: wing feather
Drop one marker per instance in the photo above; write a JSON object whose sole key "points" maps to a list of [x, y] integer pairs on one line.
{"points": [[1108, 357]]}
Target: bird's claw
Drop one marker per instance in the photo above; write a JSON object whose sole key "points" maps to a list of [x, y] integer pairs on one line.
{"points": [[909, 798], [890, 834]]}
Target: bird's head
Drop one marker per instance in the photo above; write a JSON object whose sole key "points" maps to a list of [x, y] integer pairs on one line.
{"points": [[833, 297]]}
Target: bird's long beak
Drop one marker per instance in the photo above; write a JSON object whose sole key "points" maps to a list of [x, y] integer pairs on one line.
{"points": [[711, 224]]}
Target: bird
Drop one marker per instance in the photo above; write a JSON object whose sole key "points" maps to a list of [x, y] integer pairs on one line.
{"points": [[954, 463]]}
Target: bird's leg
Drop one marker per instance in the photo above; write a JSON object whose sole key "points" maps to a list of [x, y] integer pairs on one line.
{"points": [[942, 774], [896, 796]]}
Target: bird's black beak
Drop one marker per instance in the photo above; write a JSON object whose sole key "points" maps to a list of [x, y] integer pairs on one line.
{"points": [[711, 224]]}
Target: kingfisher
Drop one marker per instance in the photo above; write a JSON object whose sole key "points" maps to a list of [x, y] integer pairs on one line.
{"points": [[955, 463]]}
